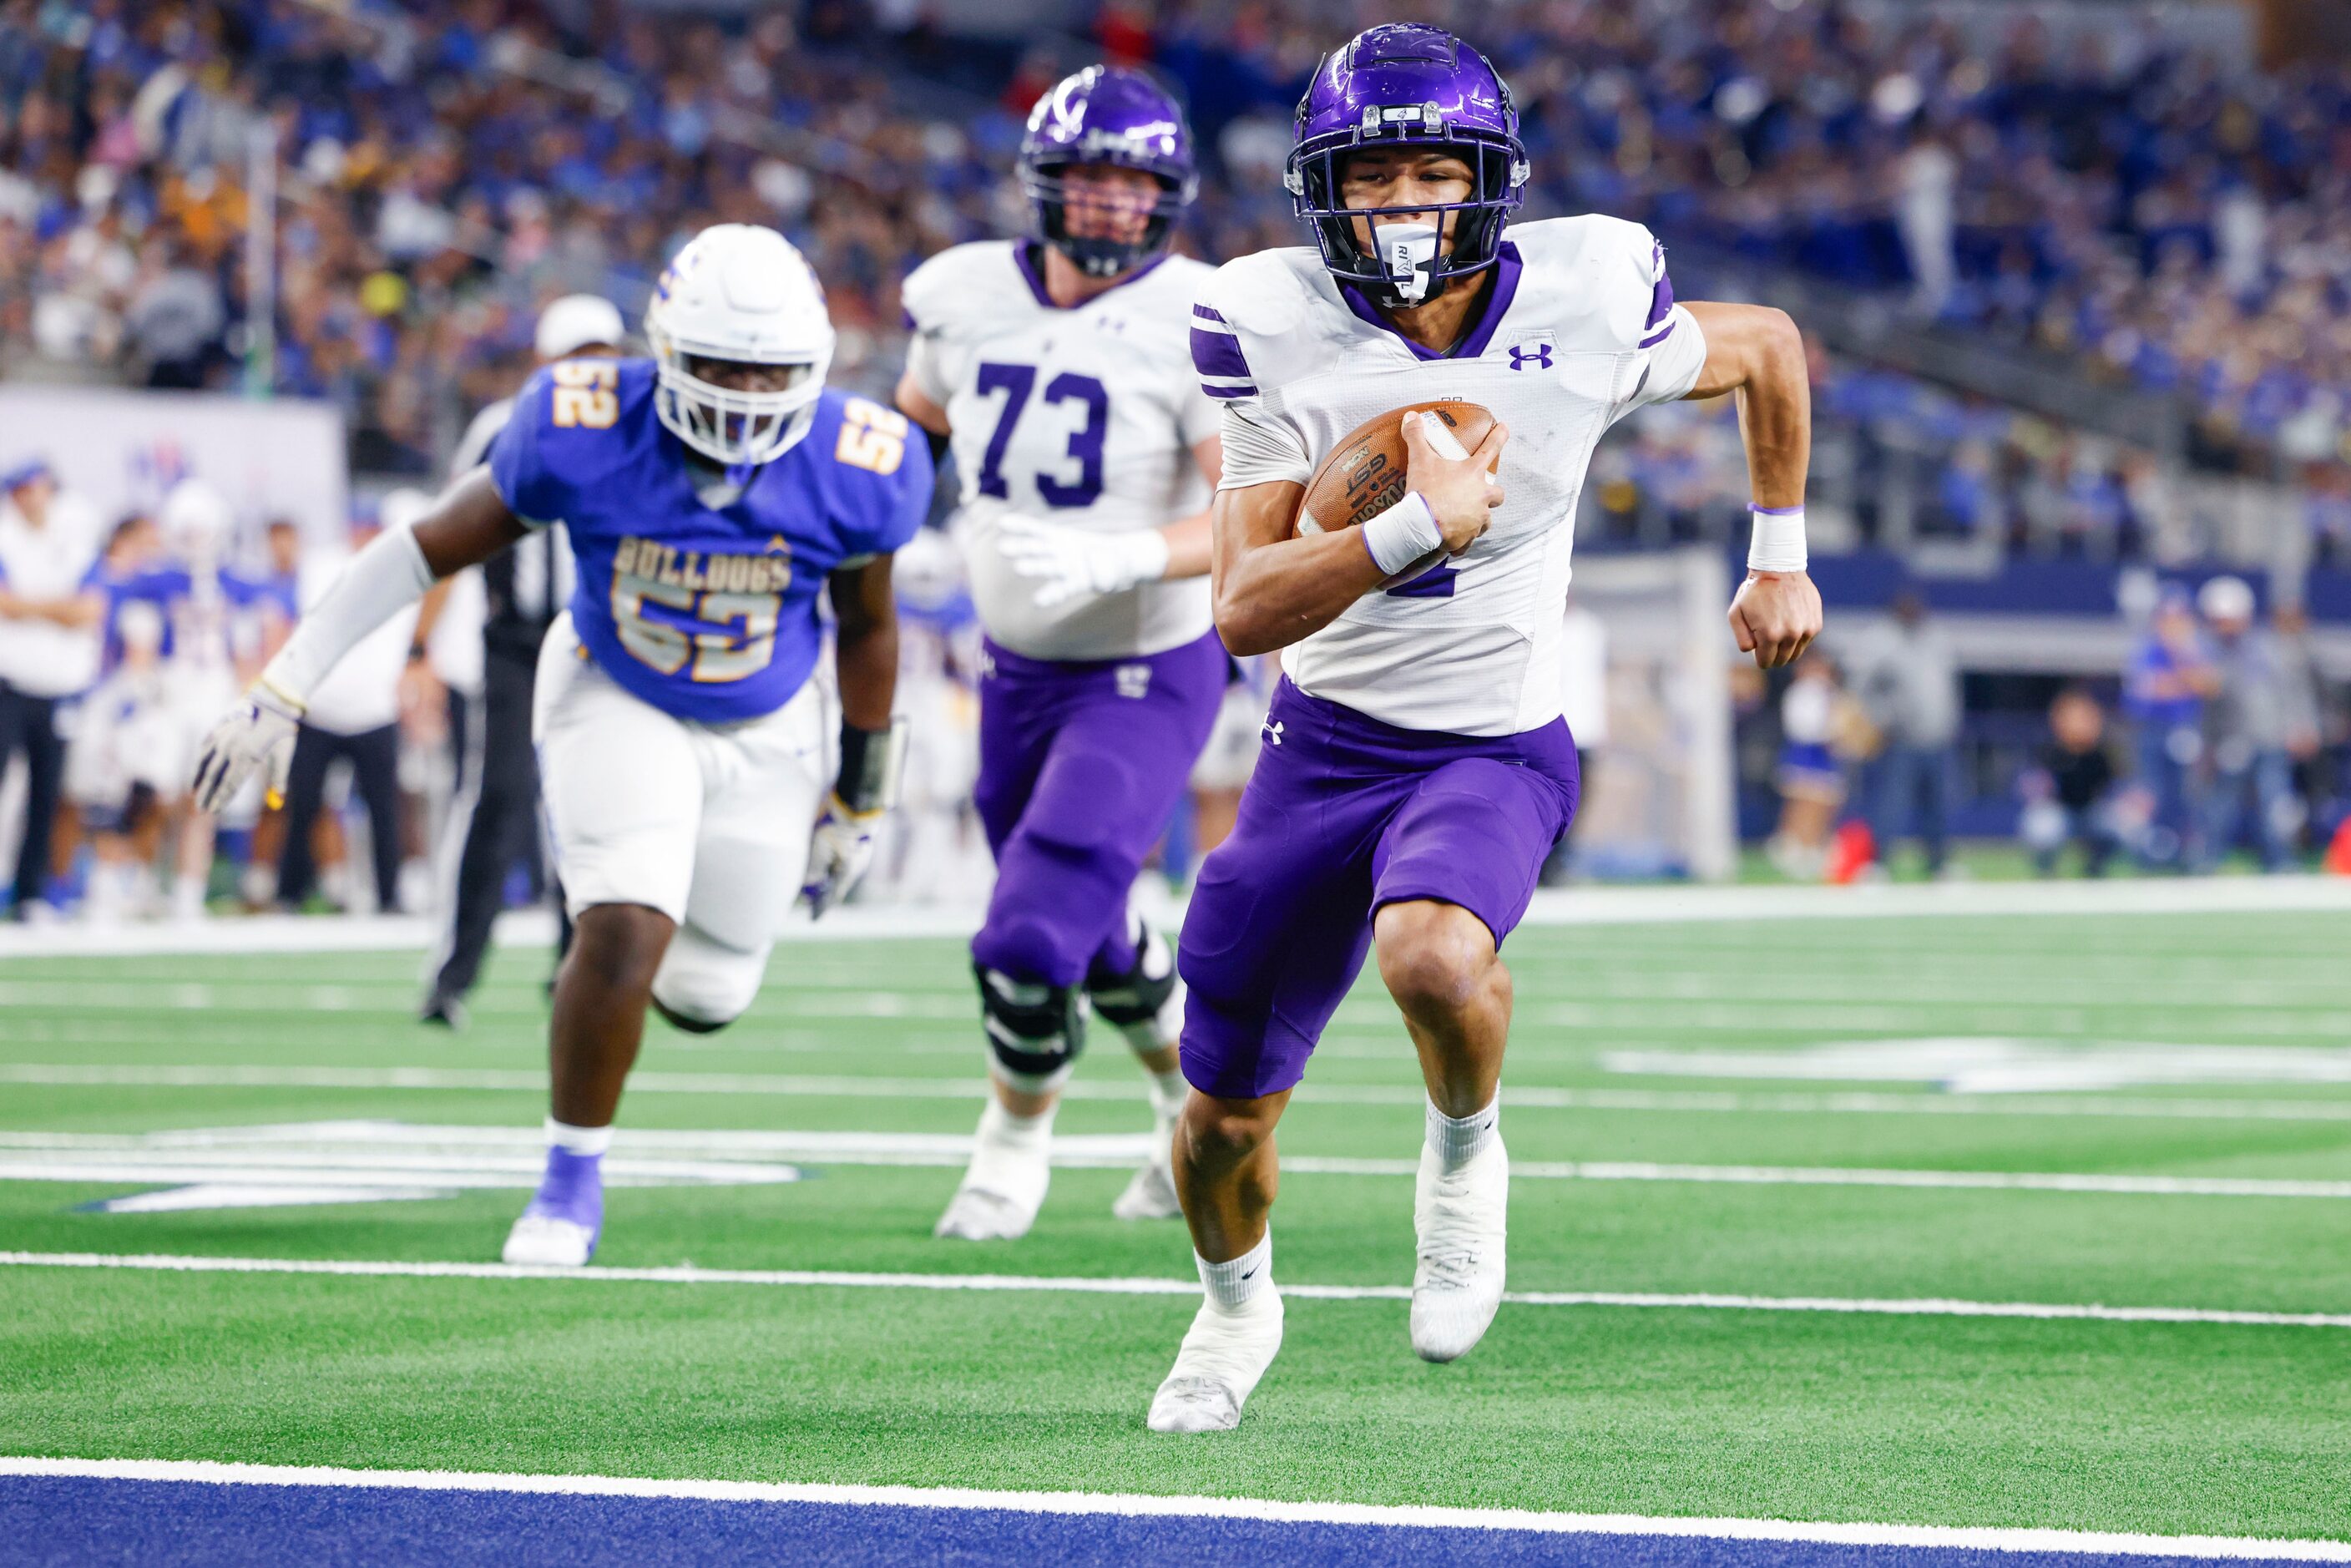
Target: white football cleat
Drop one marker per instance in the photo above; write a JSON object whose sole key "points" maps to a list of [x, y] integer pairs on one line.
{"points": [[1005, 1187], [1460, 1219], [1225, 1353], [1150, 1195], [547, 1242]]}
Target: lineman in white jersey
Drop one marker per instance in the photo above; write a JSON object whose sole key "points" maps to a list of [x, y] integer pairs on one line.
{"points": [[1416, 769], [1059, 369]]}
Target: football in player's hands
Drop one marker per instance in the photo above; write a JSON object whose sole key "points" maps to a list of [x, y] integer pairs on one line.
{"points": [[1369, 469]]}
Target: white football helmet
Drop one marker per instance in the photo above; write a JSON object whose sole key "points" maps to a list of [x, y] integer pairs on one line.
{"points": [[739, 293]]}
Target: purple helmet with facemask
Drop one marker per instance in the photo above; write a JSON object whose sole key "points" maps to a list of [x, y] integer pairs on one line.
{"points": [[1107, 114], [1409, 85]]}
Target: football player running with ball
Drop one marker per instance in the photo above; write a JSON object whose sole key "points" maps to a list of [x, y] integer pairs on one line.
{"points": [[709, 495], [1414, 769], [1059, 369]]}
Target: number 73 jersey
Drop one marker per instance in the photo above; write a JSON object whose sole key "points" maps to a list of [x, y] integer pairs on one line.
{"points": [[706, 611], [1085, 416]]}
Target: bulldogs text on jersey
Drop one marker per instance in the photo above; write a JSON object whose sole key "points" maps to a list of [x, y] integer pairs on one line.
{"points": [[706, 612]]}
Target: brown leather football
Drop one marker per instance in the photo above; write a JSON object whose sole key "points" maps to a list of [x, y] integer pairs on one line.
{"points": [[1363, 475]]}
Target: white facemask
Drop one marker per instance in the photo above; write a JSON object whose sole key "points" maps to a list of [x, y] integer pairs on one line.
{"points": [[1407, 255]]}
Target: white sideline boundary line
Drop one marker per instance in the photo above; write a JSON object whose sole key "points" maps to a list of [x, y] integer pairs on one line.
{"points": [[1525, 1521], [79, 1075], [1672, 904], [689, 1274]]}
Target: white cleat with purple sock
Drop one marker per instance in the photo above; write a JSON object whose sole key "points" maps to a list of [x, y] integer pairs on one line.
{"points": [[559, 1229]]}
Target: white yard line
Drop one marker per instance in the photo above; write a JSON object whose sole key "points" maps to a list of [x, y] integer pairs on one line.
{"points": [[474, 1079], [1266, 1511], [688, 1274], [1552, 906], [380, 1153]]}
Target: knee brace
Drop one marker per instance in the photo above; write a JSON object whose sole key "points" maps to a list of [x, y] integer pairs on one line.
{"points": [[1137, 1002], [1035, 1032]]}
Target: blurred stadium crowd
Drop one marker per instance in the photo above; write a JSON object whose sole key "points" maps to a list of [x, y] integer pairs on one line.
{"points": [[2144, 215], [2153, 218]]}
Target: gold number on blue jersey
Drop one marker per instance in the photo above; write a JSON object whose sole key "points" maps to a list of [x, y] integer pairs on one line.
{"points": [[721, 656], [586, 393], [872, 436], [718, 656]]}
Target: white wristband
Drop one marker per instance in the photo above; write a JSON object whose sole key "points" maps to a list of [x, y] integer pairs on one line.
{"points": [[1777, 543], [1403, 534]]}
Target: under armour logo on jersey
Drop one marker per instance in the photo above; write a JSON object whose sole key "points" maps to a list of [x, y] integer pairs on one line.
{"points": [[1134, 680], [1525, 354], [1272, 728]]}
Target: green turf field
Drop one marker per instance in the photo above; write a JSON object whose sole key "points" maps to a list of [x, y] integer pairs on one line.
{"points": [[1668, 1409]]}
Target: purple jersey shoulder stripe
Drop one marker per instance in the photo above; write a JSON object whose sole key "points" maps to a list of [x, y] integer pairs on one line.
{"points": [[1653, 338], [1204, 314], [1228, 391], [1219, 354], [1661, 298]]}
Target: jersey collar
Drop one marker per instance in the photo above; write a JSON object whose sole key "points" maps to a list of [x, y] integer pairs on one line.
{"points": [[1507, 267], [1025, 256]]}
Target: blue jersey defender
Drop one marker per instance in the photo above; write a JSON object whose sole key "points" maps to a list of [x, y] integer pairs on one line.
{"points": [[708, 612]]}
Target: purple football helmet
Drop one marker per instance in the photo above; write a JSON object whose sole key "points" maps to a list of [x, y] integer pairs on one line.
{"points": [[1107, 114], [1406, 85]]}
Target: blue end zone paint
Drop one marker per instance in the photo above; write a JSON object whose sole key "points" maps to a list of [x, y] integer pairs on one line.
{"points": [[184, 1524]]}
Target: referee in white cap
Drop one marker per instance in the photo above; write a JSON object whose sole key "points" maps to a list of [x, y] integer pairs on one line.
{"points": [[497, 809]]}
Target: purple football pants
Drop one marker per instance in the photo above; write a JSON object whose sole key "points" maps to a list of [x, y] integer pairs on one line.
{"points": [[1081, 766], [1344, 815]]}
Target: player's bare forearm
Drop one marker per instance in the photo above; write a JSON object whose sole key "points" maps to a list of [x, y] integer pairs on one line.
{"points": [[469, 524], [1271, 590], [1757, 353], [865, 646]]}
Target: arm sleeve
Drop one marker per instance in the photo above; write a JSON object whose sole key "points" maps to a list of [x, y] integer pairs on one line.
{"points": [[1260, 448], [381, 580]]}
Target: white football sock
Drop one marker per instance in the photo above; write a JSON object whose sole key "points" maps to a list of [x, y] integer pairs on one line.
{"points": [[1457, 1140], [999, 1128], [574, 1140], [1232, 1285]]}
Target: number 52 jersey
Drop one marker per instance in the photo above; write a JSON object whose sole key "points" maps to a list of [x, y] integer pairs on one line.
{"points": [[1085, 416], [707, 612]]}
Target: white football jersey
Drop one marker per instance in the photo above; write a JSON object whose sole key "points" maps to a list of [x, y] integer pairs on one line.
{"points": [[1085, 416], [1580, 329]]}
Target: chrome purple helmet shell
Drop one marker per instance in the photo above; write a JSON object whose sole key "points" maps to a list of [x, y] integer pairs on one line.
{"points": [[1107, 114], [1406, 85]]}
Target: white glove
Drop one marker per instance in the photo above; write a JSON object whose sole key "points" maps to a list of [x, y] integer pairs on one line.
{"points": [[1067, 561], [256, 732], [840, 853]]}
